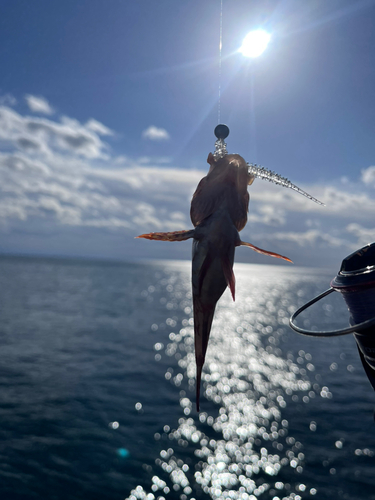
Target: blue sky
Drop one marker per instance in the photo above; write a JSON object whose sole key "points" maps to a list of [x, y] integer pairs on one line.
{"points": [[107, 111]]}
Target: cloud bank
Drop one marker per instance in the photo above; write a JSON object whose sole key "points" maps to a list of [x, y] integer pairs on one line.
{"points": [[64, 191]]}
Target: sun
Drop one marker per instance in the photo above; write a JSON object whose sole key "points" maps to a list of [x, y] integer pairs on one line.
{"points": [[255, 43]]}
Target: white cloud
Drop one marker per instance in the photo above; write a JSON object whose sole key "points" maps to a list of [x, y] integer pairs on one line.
{"points": [[98, 127], [368, 175], [364, 235], [342, 201], [309, 238], [8, 100], [39, 105], [18, 161], [45, 136], [268, 214], [312, 223], [155, 134]]}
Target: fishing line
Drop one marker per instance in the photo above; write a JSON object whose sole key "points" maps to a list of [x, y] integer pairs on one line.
{"points": [[220, 50], [253, 145]]}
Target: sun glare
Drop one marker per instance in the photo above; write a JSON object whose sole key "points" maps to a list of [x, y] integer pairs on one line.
{"points": [[255, 43]]}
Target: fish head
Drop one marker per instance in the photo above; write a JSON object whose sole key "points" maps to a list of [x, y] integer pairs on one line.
{"points": [[224, 187], [231, 168]]}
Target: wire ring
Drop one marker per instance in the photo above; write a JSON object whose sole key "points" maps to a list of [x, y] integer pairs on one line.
{"points": [[333, 333]]}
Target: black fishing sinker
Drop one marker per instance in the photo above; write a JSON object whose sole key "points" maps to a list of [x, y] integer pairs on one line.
{"points": [[356, 282]]}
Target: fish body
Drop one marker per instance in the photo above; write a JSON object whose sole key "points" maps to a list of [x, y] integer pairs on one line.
{"points": [[218, 212], [215, 239]]}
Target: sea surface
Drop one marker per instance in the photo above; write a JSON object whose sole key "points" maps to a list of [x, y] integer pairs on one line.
{"points": [[97, 387]]}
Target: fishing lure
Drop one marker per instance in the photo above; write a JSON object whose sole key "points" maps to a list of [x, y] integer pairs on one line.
{"points": [[218, 212]]}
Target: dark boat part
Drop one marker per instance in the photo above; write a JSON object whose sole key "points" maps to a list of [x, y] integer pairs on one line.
{"points": [[356, 282]]}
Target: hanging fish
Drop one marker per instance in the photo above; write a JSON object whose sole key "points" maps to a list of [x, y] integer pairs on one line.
{"points": [[218, 212]]}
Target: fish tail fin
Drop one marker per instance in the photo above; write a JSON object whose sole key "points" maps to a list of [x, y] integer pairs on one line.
{"points": [[264, 252], [203, 316], [229, 275], [169, 236]]}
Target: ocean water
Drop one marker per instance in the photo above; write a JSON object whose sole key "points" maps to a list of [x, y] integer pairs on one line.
{"points": [[97, 387]]}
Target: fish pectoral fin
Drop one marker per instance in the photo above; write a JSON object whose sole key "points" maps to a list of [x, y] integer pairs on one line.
{"points": [[170, 236], [229, 275], [264, 252]]}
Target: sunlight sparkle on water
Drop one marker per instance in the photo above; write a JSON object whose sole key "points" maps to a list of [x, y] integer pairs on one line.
{"points": [[255, 43], [245, 446]]}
